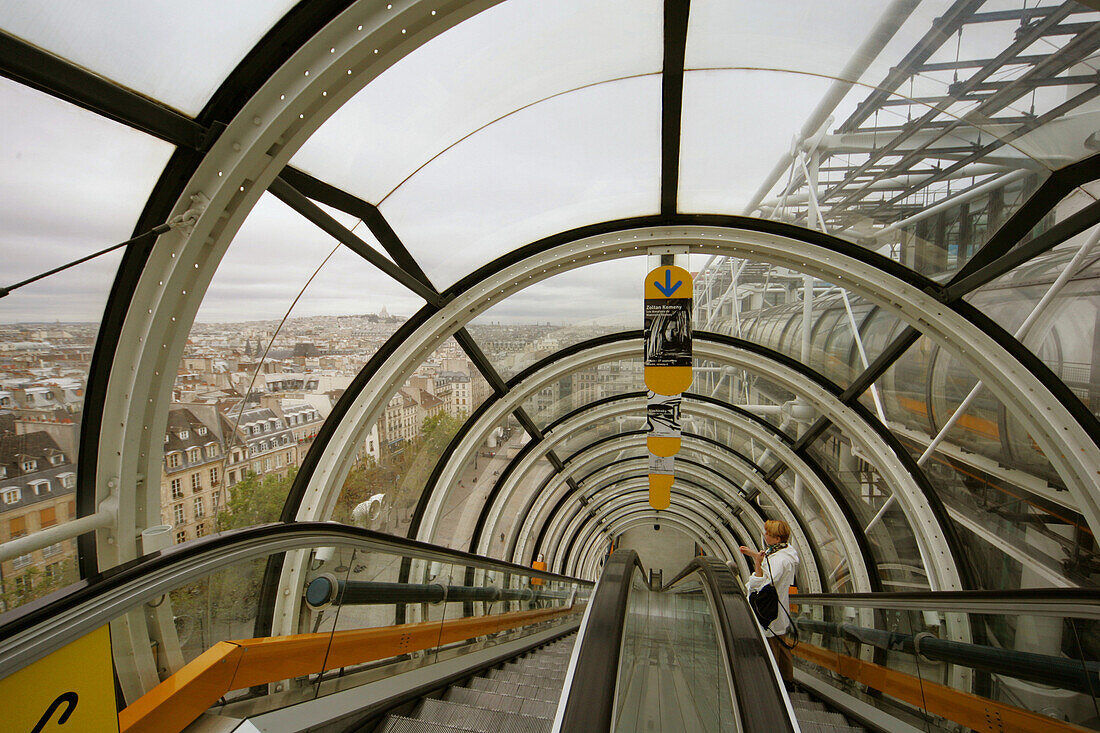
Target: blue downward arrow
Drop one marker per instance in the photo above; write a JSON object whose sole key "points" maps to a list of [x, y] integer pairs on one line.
{"points": [[668, 288]]}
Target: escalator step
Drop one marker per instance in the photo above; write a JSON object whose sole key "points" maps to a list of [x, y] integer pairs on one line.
{"points": [[398, 724], [508, 687], [483, 721], [500, 701], [517, 677]]}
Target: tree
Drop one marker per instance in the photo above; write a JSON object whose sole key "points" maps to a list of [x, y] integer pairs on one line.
{"points": [[255, 500]]}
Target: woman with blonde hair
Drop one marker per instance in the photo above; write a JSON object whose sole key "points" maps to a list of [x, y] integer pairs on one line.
{"points": [[776, 565]]}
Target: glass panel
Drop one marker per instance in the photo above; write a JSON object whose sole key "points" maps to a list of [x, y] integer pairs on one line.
{"points": [[474, 75], [990, 474], [582, 387], [1036, 669], [1066, 333], [403, 447], [180, 67], [545, 169], [368, 613], [477, 477], [271, 351], [890, 535], [561, 311], [730, 124], [60, 199]]}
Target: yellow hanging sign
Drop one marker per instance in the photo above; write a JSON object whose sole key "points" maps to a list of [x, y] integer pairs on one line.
{"points": [[668, 299]]}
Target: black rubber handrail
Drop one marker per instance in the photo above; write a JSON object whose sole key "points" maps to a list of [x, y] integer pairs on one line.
{"points": [[590, 698], [756, 687], [88, 589]]}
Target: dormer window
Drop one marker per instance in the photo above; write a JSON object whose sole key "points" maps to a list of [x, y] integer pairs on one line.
{"points": [[3, 471], [185, 434], [11, 496], [68, 480], [30, 465], [40, 487], [201, 431], [173, 460], [165, 438], [57, 459]]}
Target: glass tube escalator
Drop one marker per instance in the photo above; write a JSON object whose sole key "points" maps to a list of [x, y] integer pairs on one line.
{"points": [[280, 627]]}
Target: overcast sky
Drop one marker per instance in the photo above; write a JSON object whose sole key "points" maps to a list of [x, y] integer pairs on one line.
{"points": [[487, 178]]}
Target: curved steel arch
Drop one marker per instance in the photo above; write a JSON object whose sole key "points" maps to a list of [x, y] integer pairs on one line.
{"points": [[934, 532], [878, 280], [576, 559], [714, 500], [691, 395], [715, 451], [637, 489]]}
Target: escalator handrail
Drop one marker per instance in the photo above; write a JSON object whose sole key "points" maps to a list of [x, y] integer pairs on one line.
{"points": [[590, 694], [31, 631], [756, 686], [1074, 602]]}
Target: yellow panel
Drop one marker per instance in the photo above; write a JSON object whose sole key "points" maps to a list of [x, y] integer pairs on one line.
{"points": [[661, 282], [663, 446], [668, 380], [71, 689], [669, 287], [660, 491]]}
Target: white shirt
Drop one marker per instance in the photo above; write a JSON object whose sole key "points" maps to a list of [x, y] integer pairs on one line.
{"points": [[779, 570]]}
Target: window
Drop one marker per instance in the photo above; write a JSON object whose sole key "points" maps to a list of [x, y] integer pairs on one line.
{"points": [[201, 431], [30, 465], [211, 450], [3, 471], [267, 464], [173, 460], [53, 572], [177, 511], [199, 512], [54, 549], [181, 536], [196, 481], [40, 487], [255, 467], [214, 476], [165, 437], [57, 459], [177, 488], [232, 477], [68, 480], [185, 434], [47, 517], [200, 529], [22, 561], [22, 585], [279, 460], [11, 496], [194, 455], [17, 527], [215, 499]]}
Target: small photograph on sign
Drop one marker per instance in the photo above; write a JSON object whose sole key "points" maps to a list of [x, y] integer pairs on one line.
{"points": [[661, 464], [663, 416], [668, 332]]}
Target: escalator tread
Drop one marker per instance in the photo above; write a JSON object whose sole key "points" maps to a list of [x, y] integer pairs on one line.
{"points": [[519, 697]]}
